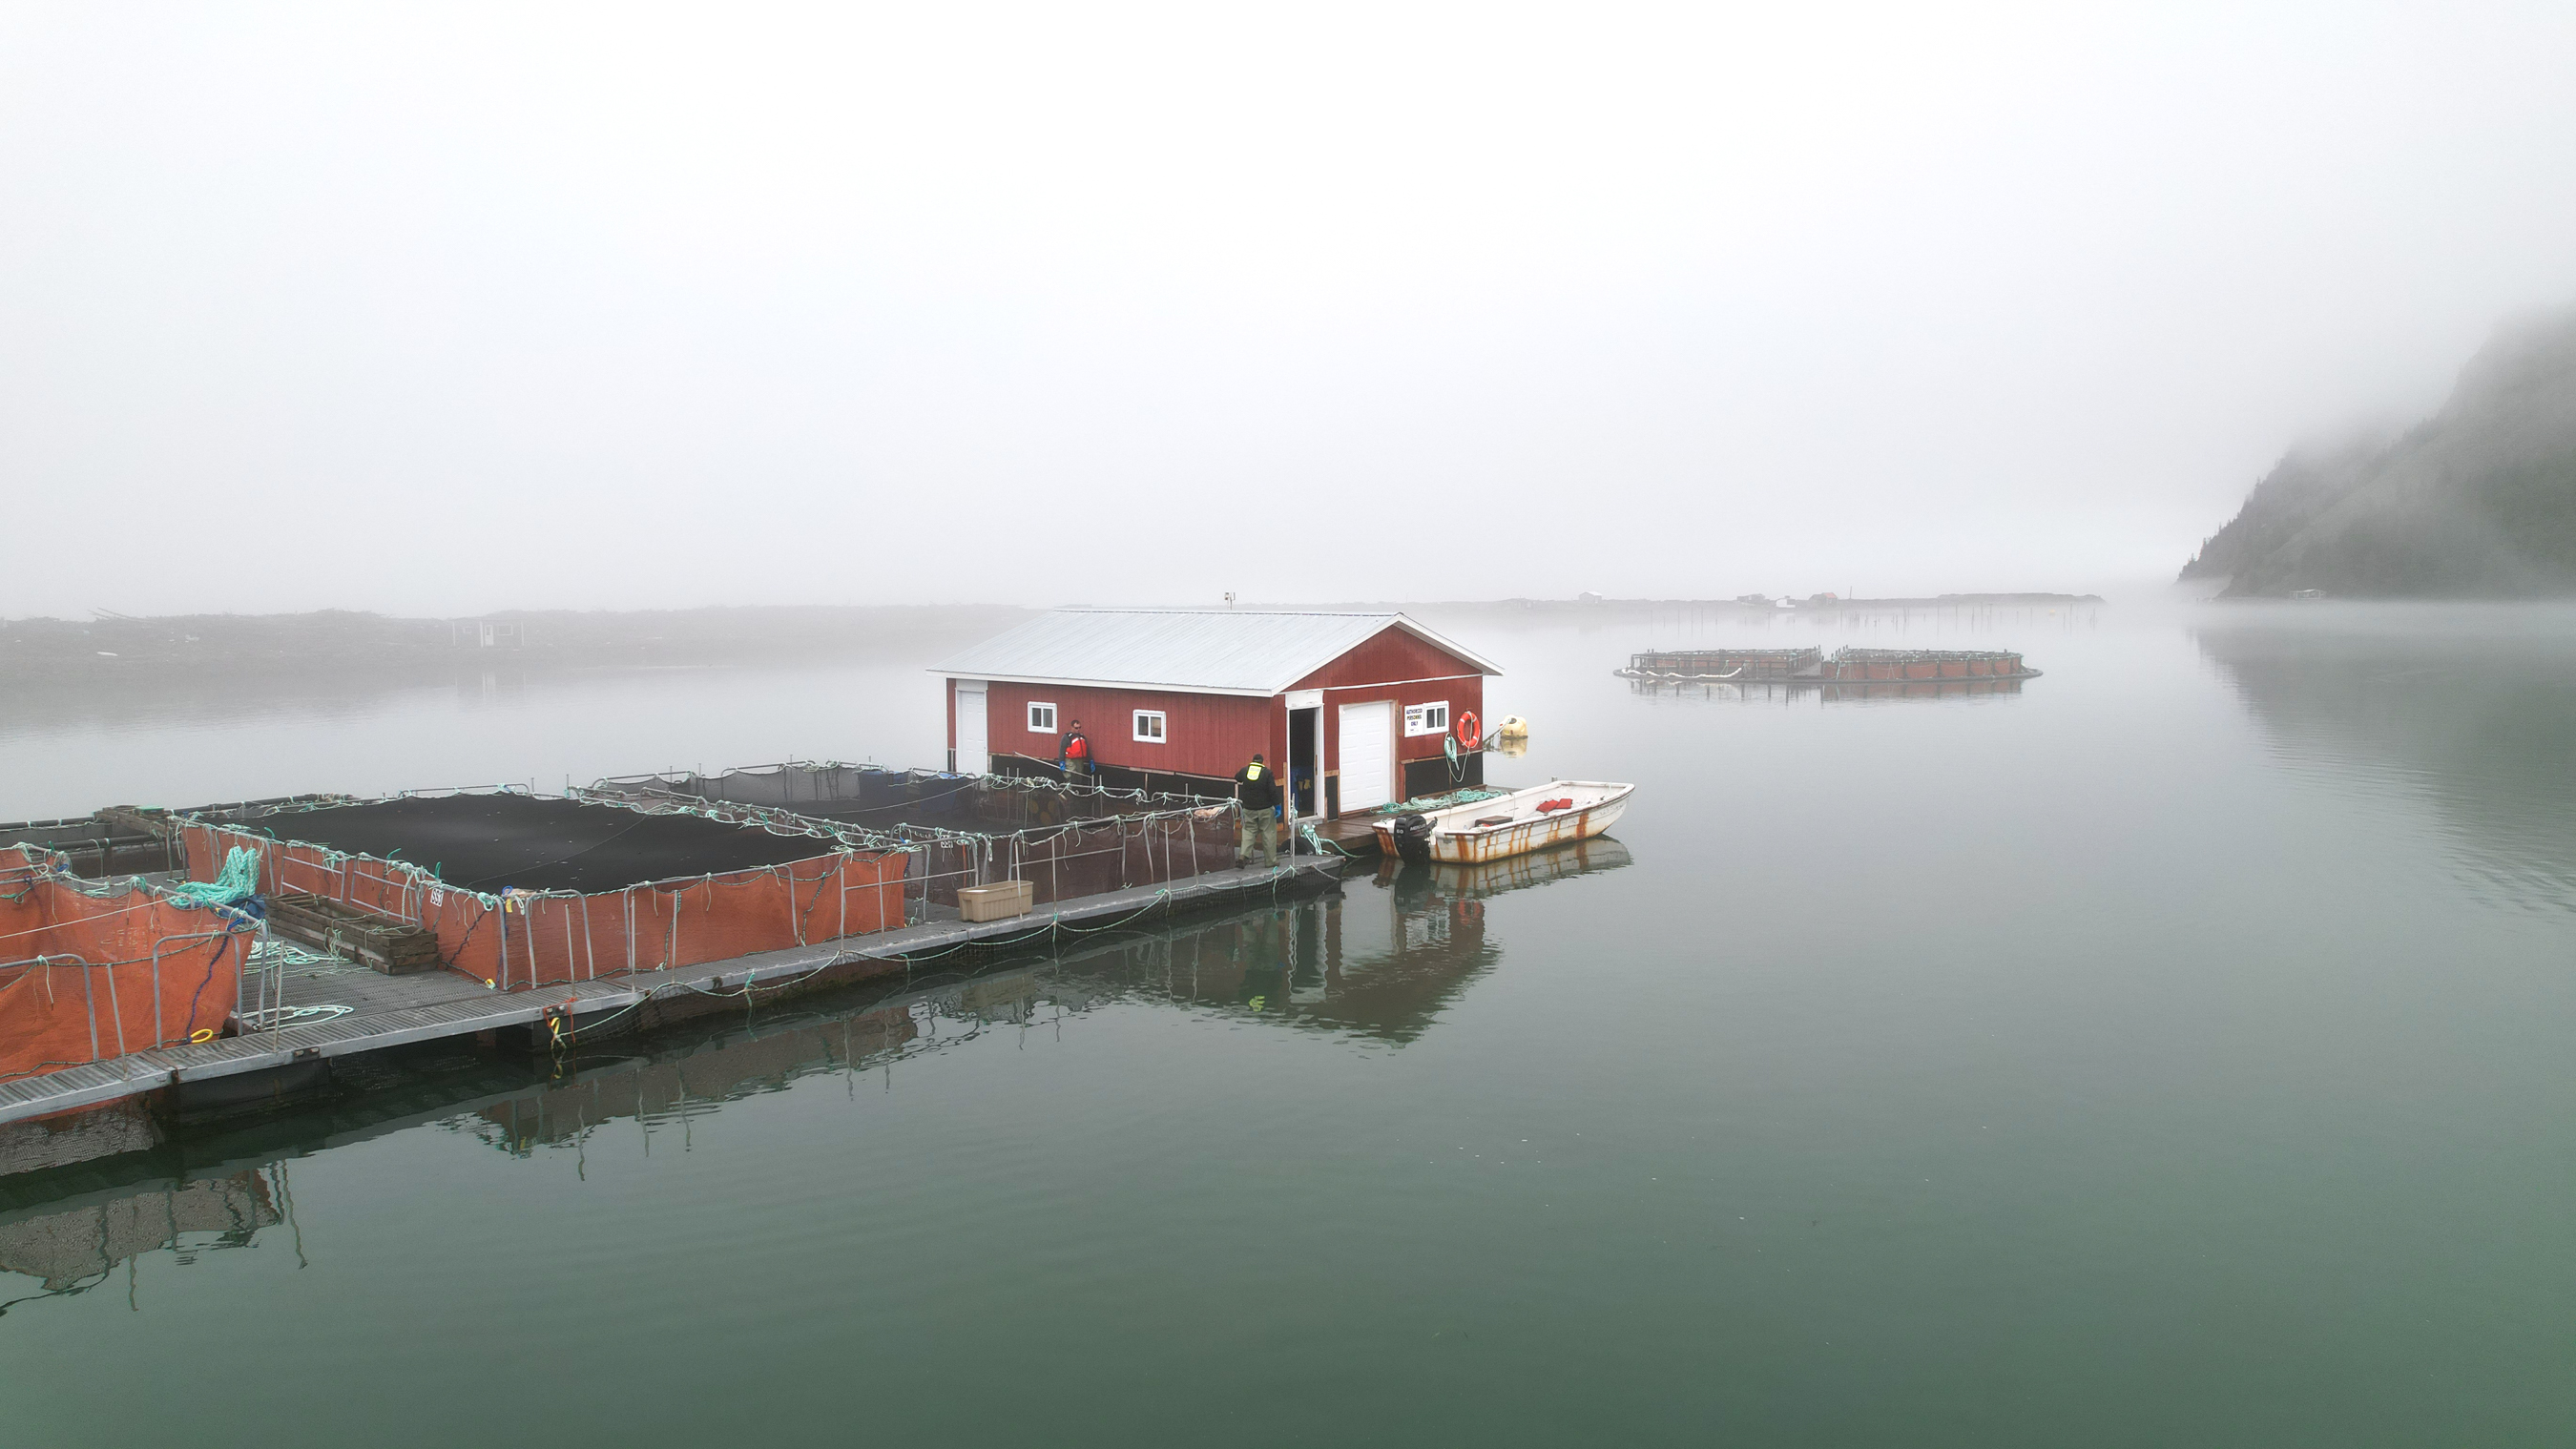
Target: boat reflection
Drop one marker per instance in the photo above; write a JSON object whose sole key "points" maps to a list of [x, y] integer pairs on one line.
{"points": [[1493, 878], [1378, 962]]}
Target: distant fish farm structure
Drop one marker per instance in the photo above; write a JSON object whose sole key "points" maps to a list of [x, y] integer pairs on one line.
{"points": [[1902, 673]]}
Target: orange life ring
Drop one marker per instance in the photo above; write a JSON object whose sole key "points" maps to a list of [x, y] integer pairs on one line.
{"points": [[1470, 732]]}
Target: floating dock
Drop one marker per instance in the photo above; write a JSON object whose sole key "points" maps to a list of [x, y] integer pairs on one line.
{"points": [[343, 927], [391, 1011], [1356, 835], [1311, 964]]}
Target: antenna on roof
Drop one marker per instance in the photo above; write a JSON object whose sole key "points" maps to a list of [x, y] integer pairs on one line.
{"points": [[1229, 598]]}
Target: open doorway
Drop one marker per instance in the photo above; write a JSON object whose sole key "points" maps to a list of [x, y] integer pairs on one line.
{"points": [[1305, 754]]}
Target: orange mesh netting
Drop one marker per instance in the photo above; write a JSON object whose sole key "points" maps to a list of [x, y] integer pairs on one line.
{"points": [[1068, 842], [517, 940], [87, 977], [516, 888], [1098, 856]]}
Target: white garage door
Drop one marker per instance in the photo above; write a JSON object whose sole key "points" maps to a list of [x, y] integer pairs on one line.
{"points": [[974, 756], [1368, 755]]}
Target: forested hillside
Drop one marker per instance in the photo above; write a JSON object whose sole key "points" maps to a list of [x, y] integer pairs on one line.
{"points": [[2479, 501]]}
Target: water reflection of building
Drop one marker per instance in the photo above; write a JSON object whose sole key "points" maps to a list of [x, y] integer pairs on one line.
{"points": [[73, 1243], [1380, 961], [1377, 966], [2479, 725]]}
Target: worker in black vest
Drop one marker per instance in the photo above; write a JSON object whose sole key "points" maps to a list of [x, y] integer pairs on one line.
{"points": [[1073, 756], [1257, 789]]}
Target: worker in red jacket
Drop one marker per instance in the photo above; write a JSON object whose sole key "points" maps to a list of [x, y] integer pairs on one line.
{"points": [[1073, 756]]}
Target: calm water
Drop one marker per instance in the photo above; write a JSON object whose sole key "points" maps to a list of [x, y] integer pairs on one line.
{"points": [[2177, 1051]]}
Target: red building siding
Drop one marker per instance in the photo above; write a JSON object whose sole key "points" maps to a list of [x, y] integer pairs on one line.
{"points": [[1213, 735], [1388, 656], [1462, 695], [1393, 664], [1203, 734]]}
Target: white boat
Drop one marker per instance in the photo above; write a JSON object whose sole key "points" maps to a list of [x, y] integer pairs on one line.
{"points": [[1507, 825]]}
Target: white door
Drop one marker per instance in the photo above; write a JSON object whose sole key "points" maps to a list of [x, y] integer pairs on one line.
{"points": [[1368, 755], [974, 750]]}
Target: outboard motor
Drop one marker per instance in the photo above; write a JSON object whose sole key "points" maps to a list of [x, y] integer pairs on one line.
{"points": [[1412, 837]]}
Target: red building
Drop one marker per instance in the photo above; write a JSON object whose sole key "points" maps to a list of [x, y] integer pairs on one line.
{"points": [[1356, 708]]}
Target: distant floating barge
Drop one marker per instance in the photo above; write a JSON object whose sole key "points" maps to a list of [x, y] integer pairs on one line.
{"points": [[1815, 667]]}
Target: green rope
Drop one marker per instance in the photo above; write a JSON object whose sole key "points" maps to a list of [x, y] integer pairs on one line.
{"points": [[1321, 844], [239, 882], [1426, 804]]}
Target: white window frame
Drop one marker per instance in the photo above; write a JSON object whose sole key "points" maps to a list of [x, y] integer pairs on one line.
{"points": [[1417, 719], [1162, 726], [1041, 729]]}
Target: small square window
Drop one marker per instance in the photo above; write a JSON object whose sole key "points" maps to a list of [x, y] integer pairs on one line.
{"points": [[1042, 718], [1149, 726], [1427, 719]]}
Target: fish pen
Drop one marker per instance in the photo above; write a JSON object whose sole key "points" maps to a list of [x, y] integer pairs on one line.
{"points": [[1814, 666], [120, 840], [1880, 665], [308, 931], [1695, 666], [520, 890], [95, 847], [882, 797], [1066, 841], [91, 971]]}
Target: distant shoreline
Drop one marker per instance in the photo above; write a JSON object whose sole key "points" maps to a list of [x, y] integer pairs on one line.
{"points": [[390, 644], [364, 644], [1934, 601]]}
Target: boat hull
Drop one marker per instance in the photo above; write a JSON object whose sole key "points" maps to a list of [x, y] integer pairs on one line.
{"points": [[1475, 847]]}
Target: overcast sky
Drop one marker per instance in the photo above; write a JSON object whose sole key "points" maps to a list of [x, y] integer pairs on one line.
{"points": [[452, 308]]}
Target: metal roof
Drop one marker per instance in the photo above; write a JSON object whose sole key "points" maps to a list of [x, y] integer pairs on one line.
{"points": [[1203, 651]]}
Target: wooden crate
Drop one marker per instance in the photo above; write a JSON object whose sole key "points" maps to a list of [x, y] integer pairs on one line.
{"points": [[377, 942]]}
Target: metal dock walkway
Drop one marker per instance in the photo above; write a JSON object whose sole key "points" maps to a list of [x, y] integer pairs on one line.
{"points": [[391, 1011]]}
